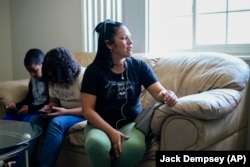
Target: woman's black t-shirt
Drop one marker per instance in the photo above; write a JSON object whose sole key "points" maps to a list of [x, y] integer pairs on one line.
{"points": [[118, 95]]}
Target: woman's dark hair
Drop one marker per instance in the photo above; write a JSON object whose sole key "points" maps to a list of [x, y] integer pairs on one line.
{"points": [[60, 66], [33, 56], [106, 30]]}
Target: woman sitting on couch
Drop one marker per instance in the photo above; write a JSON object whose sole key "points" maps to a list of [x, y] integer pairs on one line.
{"points": [[111, 91]]}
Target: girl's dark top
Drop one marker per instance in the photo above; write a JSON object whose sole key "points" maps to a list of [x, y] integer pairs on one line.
{"points": [[37, 95], [118, 99]]}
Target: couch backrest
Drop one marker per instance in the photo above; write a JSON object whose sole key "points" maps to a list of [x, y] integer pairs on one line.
{"points": [[85, 58], [193, 73], [190, 73]]}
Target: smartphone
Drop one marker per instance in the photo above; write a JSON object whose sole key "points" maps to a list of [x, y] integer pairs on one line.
{"points": [[43, 112]]}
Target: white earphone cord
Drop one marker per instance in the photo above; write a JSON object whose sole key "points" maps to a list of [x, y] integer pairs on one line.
{"points": [[124, 117]]}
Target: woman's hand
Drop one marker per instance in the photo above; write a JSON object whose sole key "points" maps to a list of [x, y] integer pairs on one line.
{"points": [[161, 94], [116, 138], [169, 97]]}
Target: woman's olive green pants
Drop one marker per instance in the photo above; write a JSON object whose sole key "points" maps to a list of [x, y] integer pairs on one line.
{"points": [[98, 147]]}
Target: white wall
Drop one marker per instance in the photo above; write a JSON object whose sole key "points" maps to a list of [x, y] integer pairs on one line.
{"points": [[43, 24], [5, 42], [50, 23], [134, 19]]}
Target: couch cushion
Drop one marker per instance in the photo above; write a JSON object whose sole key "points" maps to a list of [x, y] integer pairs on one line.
{"points": [[212, 104], [74, 136]]}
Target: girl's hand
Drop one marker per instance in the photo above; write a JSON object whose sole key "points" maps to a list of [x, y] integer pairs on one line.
{"points": [[24, 110], [45, 110], [55, 111], [169, 97]]}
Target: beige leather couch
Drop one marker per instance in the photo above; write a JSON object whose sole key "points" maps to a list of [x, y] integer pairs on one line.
{"points": [[211, 114]]}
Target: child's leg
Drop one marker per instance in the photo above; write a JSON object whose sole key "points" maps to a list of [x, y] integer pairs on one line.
{"points": [[97, 146], [28, 116], [19, 117], [133, 149], [56, 130], [16, 117]]}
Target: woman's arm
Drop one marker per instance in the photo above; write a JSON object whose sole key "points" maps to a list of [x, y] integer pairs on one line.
{"points": [[88, 106], [161, 94]]}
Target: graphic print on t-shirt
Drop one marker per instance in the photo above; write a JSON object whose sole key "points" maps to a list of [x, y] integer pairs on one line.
{"points": [[118, 90]]}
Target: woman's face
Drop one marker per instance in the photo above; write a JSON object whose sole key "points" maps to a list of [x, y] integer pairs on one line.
{"points": [[123, 44]]}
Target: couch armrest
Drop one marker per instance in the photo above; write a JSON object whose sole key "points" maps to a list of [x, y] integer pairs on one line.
{"points": [[12, 91], [186, 133], [206, 126], [209, 105]]}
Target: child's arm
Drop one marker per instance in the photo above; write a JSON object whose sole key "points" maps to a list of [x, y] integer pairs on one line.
{"points": [[29, 102], [28, 99]]}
